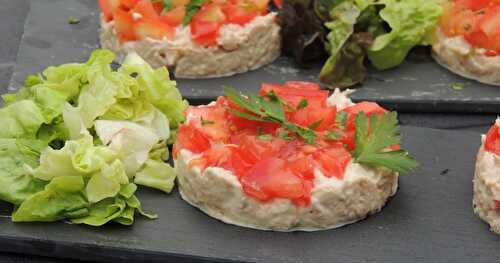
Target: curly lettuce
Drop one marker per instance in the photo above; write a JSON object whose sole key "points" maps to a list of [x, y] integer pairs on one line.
{"points": [[78, 138]]}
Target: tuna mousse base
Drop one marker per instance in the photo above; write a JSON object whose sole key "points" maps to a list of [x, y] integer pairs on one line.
{"points": [[266, 162]]}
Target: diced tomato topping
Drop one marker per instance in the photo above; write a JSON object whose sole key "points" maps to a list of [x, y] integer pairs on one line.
{"points": [[129, 4], [237, 14], [277, 3], [496, 204], [204, 33], [270, 178], [333, 161], [174, 17], [106, 9], [153, 28], [492, 142], [269, 160], [124, 25], [192, 139], [478, 21], [146, 9]]}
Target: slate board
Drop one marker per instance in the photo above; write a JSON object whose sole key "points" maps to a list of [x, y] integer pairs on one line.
{"points": [[429, 220], [419, 85]]}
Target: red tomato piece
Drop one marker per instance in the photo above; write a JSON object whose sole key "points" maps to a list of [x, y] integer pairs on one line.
{"points": [[192, 139], [153, 28], [124, 25], [311, 115], [333, 161], [277, 3], [240, 15], [271, 178], [129, 4], [106, 9], [174, 17], [473, 5], [210, 13], [204, 33], [367, 107], [492, 142], [491, 22], [260, 4], [146, 9], [211, 120], [301, 85]]}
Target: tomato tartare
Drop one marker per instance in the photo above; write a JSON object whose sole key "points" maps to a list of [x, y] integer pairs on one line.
{"points": [[288, 159], [487, 179], [195, 38], [468, 40]]}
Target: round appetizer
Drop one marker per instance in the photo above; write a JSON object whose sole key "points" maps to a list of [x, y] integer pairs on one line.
{"points": [[487, 179], [195, 38], [290, 158], [468, 40]]}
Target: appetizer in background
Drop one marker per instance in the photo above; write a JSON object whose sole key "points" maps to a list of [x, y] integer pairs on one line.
{"points": [[290, 158], [78, 139], [487, 179], [468, 40], [195, 38], [345, 32]]}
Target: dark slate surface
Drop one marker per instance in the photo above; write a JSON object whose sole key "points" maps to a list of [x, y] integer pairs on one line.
{"points": [[419, 85], [429, 220]]}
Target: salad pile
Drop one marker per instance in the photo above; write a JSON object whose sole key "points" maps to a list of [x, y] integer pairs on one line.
{"points": [[347, 31], [77, 139], [158, 19]]}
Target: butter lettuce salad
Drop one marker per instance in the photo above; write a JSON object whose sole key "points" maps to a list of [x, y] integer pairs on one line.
{"points": [[78, 139], [346, 32]]}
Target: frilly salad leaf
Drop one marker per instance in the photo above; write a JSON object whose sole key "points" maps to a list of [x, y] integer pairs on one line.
{"points": [[77, 138], [350, 30]]}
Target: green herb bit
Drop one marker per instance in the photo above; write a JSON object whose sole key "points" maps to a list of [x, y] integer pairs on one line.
{"points": [[458, 86], [332, 136], [315, 124], [191, 9], [285, 135], [302, 104], [372, 138], [341, 119], [73, 20], [206, 122], [265, 137]]}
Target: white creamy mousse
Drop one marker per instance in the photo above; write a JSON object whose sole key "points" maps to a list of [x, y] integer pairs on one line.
{"points": [[487, 187], [456, 54], [334, 203], [239, 49]]}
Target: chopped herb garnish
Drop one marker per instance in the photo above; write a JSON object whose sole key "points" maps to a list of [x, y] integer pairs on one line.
{"points": [[266, 109], [191, 9], [341, 119], [206, 122], [315, 124], [333, 136], [285, 135], [73, 21], [302, 104], [458, 86], [374, 136], [167, 5], [265, 137]]}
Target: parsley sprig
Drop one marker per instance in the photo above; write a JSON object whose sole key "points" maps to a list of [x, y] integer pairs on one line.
{"points": [[191, 9], [373, 136], [266, 109]]}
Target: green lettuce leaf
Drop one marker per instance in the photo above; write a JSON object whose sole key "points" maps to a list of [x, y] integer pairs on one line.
{"points": [[62, 198], [345, 66], [107, 182], [156, 174], [411, 21], [17, 183], [158, 88], [76, 158], [21, 119], [130, 141]]}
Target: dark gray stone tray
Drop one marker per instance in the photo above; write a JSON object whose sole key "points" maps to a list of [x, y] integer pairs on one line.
{"points": [[429, 220], [419, 85]]}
